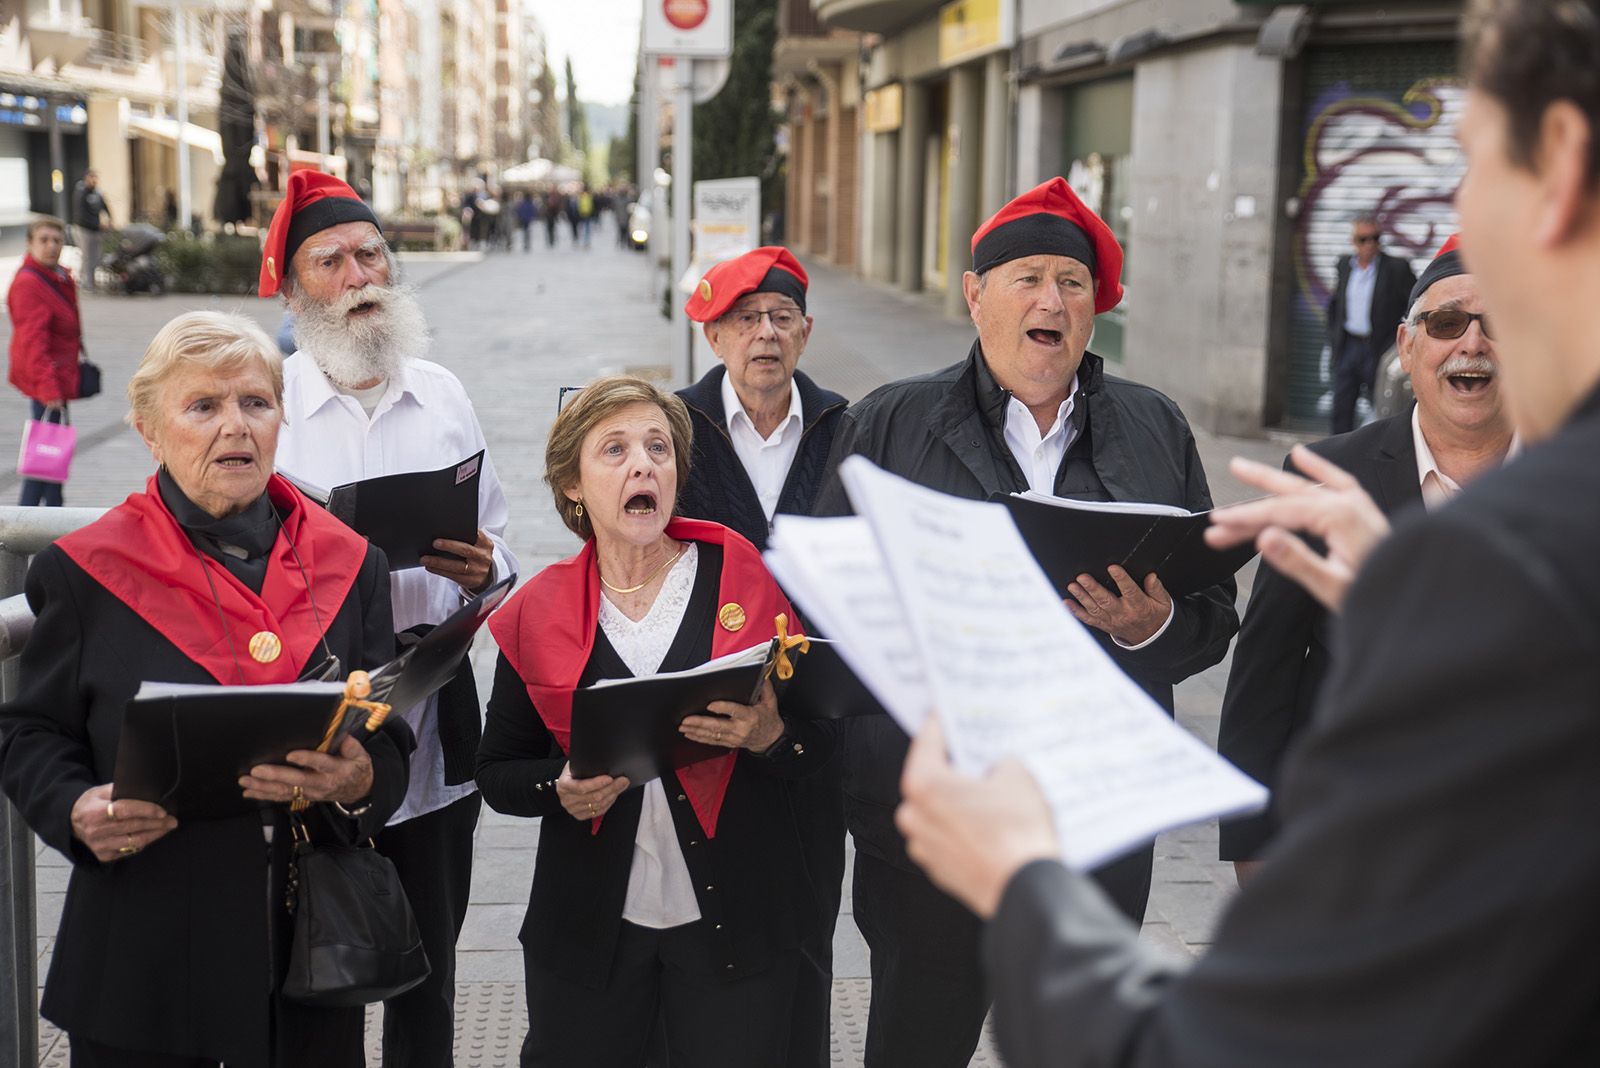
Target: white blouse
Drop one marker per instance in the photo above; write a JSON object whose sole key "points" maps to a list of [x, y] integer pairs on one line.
{"points": [[660, 893]]}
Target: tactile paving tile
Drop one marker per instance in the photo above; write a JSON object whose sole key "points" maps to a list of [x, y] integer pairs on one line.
{"points": [[850, 1000]]}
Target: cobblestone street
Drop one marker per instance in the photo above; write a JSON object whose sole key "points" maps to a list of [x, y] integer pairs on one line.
{"points": [[515, 327]]}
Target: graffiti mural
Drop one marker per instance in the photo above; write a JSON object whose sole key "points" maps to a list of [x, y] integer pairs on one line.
{"points": [[1393, 154]]}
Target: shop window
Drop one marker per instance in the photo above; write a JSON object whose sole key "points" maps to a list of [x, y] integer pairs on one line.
{"points": [[1097, 157]]}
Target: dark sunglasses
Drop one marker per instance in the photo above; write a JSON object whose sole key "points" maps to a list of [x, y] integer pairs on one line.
{"points": [[1366, 239], [1447, 324]]}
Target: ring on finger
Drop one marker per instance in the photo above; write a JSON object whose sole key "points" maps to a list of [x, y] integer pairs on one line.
{"points": [[111, 810], [129, 849]]}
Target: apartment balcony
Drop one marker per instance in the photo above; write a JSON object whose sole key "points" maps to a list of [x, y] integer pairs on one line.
{"points": [[63, 40], [115, 51], [872, 16]]}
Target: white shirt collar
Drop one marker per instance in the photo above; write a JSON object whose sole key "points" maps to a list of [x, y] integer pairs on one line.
{"points": [[1438, 487], [733, 409], [318, 390]]}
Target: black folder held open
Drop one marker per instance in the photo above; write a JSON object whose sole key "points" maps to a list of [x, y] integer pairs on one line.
{"points": [[629, 727], [403, 514], [1070, 538], [184, 745]]}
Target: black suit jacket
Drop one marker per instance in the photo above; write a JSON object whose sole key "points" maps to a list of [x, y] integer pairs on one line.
{"points": [[1391, 299], [1431, 901], [1284, 648]]}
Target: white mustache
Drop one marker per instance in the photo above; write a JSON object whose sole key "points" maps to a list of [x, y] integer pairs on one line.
{"points": [[1467, 365]]}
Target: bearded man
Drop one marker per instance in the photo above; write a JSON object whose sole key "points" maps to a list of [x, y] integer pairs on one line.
{"points": [[360, 401]]}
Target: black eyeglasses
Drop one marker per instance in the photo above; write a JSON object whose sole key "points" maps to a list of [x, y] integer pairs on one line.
{"points": [[1366, 239], [1447, 324]]}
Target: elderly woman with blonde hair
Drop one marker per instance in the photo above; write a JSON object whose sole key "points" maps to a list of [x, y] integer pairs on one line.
{"points": [[678, 899], [173, 936]]}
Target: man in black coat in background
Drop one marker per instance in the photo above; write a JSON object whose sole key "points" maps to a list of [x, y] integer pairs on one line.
{"points": [[1430, 902], [1458, 430], [1029, 408], [762, 432], [1370, 298]]}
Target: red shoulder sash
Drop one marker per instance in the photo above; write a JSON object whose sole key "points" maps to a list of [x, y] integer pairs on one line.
{"points": [[547, 631], [140, 554]]}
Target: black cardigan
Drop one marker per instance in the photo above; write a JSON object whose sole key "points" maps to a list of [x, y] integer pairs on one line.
{"points": [[719, 489], [750, 880]]}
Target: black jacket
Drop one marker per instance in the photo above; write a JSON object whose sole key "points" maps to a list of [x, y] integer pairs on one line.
{"points": [[1431, 899], [172, 950], [749, 880], [719, 489], [945, 430], [1391, 299], [1284, 645]]}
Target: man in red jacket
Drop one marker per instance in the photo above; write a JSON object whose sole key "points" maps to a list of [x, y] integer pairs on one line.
{"points": [[45, 337]]}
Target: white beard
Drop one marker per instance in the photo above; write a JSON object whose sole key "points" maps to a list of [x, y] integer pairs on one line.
{"points": [[352, 351]]}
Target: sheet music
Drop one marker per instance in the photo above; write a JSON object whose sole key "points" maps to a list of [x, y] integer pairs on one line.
{"points": [[1015, 676], [835, 571]]}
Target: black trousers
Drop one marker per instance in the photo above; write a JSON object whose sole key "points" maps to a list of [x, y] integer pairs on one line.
{"points": [[928, 997], [818, 805], [1355, 366], [433, 855], [667, 979]]}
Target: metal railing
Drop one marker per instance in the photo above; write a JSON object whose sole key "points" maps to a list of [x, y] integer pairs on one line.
{"points": [[23, 532], [115, 50]]}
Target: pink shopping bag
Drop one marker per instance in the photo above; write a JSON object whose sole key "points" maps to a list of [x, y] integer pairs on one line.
{"points": [[46, 450]]}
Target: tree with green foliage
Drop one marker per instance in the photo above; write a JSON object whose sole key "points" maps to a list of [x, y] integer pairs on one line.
{"points": [[624, 155], [735, 132], [577, 118]]}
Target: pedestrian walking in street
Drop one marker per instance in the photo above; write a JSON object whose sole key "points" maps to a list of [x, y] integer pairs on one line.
{"points": [[574, 217], [174, 937], [1429, 899], [361, 401], [46, 338], [1030, 408], [527, 213], [554, 210], [682, 903], [1369, 301], [586, 212], [1458, 429], [762, 432], [89, 214]]}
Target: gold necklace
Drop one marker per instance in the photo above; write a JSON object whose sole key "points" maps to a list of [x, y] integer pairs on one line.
{"points": [[653, 575]]}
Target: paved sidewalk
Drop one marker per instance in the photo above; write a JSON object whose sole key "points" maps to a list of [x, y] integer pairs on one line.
{"points": [[515, 327]]}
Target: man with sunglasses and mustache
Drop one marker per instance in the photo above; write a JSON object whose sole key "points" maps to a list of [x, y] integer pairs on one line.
{"points": [[1369, 299], [1458, 429]]}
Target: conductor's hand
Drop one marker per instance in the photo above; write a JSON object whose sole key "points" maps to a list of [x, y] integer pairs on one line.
{"points": [[1333, 508], [116, 830], [971, 835], [754, 727], [588, 799], [472, 571], [345, 778], [1129, 614]]}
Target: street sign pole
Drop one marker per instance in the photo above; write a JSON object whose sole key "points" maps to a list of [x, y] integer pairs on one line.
{"points": [[682, 189]]}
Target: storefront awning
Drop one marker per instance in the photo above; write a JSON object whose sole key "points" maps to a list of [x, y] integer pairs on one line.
{"points": [[166, 132]]}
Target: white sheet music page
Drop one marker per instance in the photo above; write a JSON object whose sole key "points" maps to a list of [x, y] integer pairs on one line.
{"points": [[835, 572], [1014, 675]]}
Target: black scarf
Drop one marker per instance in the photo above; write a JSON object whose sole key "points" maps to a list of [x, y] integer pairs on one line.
{"points": [[241, 543]]}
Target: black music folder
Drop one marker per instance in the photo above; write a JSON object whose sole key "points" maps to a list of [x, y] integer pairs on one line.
{"points": [[1070, 538], [403, 514], [422, 670], [824, 687], [630, 726], [185, 745]]}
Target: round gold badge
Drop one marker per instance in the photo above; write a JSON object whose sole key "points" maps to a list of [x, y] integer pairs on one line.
{"points": [[731, 616], [705, 289], [265, 646]]}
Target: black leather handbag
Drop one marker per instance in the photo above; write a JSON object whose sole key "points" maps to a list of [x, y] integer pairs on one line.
{"points": [[88, 378], [355, 939]]}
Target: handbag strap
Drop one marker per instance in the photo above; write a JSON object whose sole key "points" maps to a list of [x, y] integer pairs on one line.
{"points": [[64, 414]]}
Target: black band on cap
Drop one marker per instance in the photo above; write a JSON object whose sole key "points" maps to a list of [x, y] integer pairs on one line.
{"points": [[1447, 266], [777, 280], [318, 216], [1033, 235]]}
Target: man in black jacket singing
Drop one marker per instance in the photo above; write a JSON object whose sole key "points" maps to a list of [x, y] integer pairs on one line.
{"points": [[1029, 408], [762, 431]]}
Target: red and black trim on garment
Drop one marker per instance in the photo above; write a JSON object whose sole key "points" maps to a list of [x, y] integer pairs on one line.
{"points": [[1050, 220], [1447, 263], [547, 631], [768, 269], [140, 554]]}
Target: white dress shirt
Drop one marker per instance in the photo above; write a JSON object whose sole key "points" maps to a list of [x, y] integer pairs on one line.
{"points": [[766, 459], [1439, 488], [1358, 298], [1040, 456], [660, 893], [423, 421]]}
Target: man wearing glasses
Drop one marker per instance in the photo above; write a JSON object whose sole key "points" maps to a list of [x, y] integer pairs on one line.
{"points": [[1369, 300], [1458, 430], [762, 432]]}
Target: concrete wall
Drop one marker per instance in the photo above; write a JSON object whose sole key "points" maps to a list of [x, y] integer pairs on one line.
{"points": [[1205, 156], [1041, 134]]}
